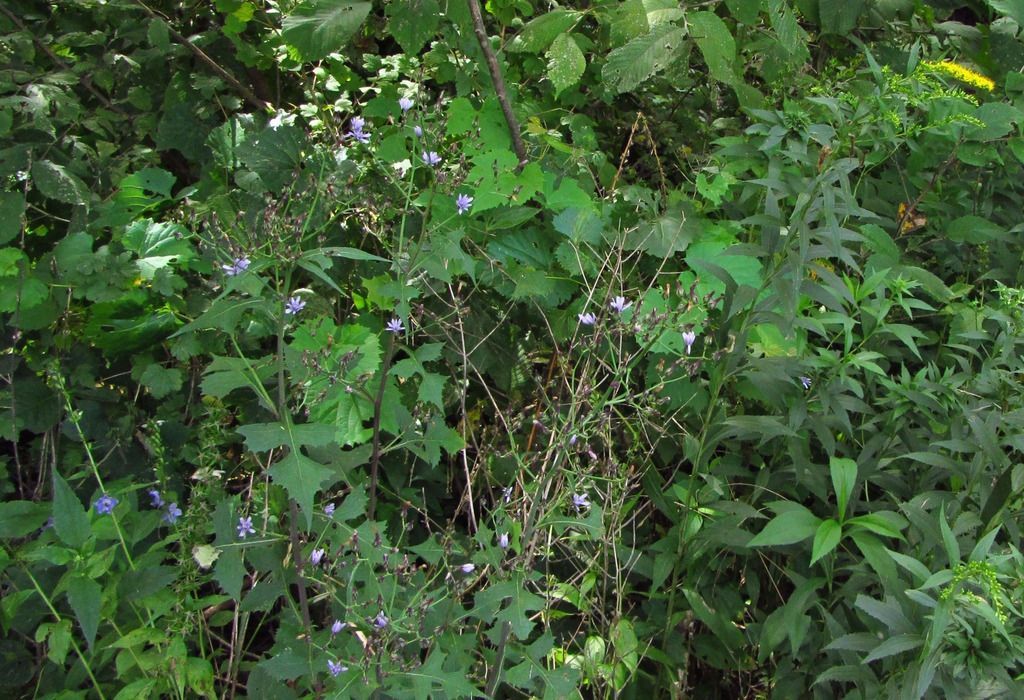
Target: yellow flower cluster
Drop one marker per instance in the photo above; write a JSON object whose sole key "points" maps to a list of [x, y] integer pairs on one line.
{"points": [[961, 73]]}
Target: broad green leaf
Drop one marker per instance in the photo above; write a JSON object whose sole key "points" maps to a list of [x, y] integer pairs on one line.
{"points": [[69, 518], [826, 538], [896, 644], [156, 245], [319, 27], [722, 627], [974, 229], [18, 518], [274, 154], [787, 528], [716, 44], [12, 206], [839, 16], [413, 23], [85, 597], [229, 571], [489, 605], [301, 477], [1013, 9], [887, 612], [565, 63], [628, 66], [260, 437], [745, 11], [350, 253], [537, 34], [431, 679], [882, 522], [161, 381], [144, 582], [844, 477], [54, 181]]}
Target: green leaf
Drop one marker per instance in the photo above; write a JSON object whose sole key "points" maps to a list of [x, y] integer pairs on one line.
{"points": [[69, 518], [144, 582], [537, 34], [354, 505], [85, 597], [628, 66], [974, 229], [948, 539], [844, 477], [18, 518], [839, 16], [301, 477], [489, 604], [260, 437], [320, 27], [882, 522], [716, 44], [161, 381], [12, 206], [826, 538], [413, 23], [565, 63], [55, 182], [896, 644], [156, 245], [787, 528], [432, 389], [274, 154], [1013, 9]]}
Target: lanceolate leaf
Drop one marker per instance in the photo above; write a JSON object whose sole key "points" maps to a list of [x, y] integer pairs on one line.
{"points": [[787, 528], [319, 27], [630, 65]]}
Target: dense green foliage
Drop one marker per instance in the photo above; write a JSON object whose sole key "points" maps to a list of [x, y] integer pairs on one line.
{"points": [[311, 388]]}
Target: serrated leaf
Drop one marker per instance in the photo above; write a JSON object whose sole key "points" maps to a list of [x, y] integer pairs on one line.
{"points": [[826, 538], [716, 44], [260, 437], [565, 62], [320, 27], [490, 605], [301, 477], [18, 518], [12, 206], [628, 66], [69, 518], [413, 23], [161, 381], [85, 597], [537, 34], [787, 528], [54, 181]]}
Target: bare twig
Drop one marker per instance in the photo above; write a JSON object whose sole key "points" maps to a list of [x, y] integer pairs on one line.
{"points": [[499, 82]]}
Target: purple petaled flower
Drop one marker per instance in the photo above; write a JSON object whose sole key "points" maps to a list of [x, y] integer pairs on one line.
{"points": [[154, 498], [689, 337], [337, 626], [245, 527], [316, 556], [620, 304], [172, 514], [329, 509], [405, 103], [418, 130], [503, 540], [468, 568], [105, 504], [356, 132], [431, 158], [237, 266], [806, 381], [336, 668], [587, 319], [294, 305], [395, 326], [506, 493], [573, 439], [381, 621], [463, 202], [580, 500]]}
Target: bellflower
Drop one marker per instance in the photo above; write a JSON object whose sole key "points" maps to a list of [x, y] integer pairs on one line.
{"points": [[689, 337], [395, 326], [463, 202], [172, 514], [620, 304], [236, 267], [337, 626], [503, 540], [154, 498], [336, 668], [381, 621], [329, 509], [245, 527], [105, 504], [431, 158], [806, 381], [294, 305], [587, 319], [316, 556], [418, 130], [356, 131], [405, 103], [580, 500], [468, 568]]}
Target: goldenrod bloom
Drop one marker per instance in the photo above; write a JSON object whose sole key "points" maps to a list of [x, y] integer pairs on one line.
{"points": [[961, 73]]}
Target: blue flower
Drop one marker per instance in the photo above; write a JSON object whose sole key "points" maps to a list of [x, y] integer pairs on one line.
{"points": [[356, 132], [580, 500], [503, 540], [105, 504], [806, 381], [294, 305], [245, 527], [431, 158], [395, 326], [154, 498], [172, 514], [316, 556], [337, 626], [381, 621], [463, 202], [405, 103], [237, 267], [620, 304], [468, 568], [689, 337], [336, 668], [329, 509], [587, 319], [418, 130]]}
